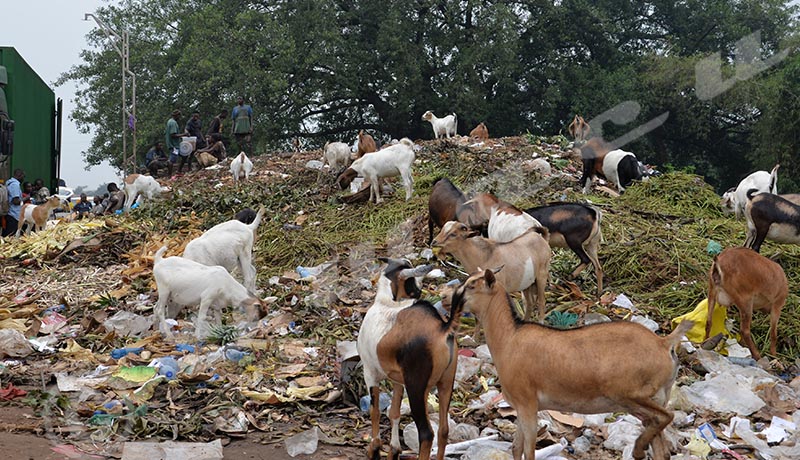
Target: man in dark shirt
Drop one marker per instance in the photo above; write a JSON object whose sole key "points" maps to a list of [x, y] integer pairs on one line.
{"points": [[194, 128], [156, 159], [82, 207], [215, 127]]}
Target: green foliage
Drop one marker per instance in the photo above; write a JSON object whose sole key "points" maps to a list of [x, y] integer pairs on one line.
{"points": [[322, 70]]}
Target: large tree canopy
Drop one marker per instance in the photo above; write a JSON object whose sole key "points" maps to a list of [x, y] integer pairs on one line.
{"points": [[323, 69]]}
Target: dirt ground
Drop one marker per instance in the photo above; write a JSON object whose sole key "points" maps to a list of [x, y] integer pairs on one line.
{"points": [[31, 445]]}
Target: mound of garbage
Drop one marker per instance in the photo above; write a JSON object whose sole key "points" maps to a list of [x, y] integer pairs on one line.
{"points": [[77, 342]]}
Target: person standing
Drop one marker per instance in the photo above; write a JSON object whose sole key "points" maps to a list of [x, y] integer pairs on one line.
{"points": [[195, 128], [173, 139], [215, 127], [242, 128], [14, 188]]}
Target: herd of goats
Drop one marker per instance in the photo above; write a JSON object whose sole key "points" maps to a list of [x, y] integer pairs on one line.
{"points": [[607, 367]]}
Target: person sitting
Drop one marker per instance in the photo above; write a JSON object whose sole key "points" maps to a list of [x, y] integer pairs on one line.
{"points": [[100, 204], [82, 207], [156, 158], [214, 146], [116, 198], [40, 192]]}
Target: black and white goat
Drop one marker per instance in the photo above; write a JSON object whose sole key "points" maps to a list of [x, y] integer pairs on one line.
{"points": [[619, 167]]}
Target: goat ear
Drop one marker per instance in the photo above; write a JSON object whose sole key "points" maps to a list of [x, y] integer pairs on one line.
{"points": [[497, 269], [473, 233], [488, 276]]}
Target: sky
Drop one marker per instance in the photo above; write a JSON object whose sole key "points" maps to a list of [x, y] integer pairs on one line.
{"points": [[49, 35]]}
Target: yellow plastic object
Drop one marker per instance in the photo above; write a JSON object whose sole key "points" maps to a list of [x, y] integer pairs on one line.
{"points": [[700, 315], [138, 374], [698, 446]]}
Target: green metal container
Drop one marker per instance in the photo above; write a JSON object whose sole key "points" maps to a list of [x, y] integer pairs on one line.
{"points": [[32, 106]]}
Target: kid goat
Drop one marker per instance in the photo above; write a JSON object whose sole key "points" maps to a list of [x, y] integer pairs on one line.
{"points": [[138, 184], [389, 162], [606, 367], [405, 340], [741, 277], [442, 126], [619, 167], [36, 215]]}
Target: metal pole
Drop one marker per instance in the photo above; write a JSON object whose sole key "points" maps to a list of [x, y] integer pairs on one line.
{"points": [[124, 124]]}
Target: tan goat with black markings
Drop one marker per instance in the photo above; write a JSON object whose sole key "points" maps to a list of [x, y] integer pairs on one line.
{"points": [[406, 340], [606, 367]]}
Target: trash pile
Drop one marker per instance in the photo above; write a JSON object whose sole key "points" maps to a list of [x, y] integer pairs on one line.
{"points": [[78, 346]]}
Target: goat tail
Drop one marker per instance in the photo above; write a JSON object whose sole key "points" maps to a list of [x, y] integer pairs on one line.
{"points": [[542, 230], [159, 254], [408, 142], [773, 180], [257, 221], [677, 334], [751, 192], [454, 320]]}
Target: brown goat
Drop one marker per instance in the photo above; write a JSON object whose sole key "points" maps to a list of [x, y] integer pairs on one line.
{"points": [[579, 129], [366, 144], [606, 367], [406, 341], [480, 132], [36, 215], [442, 205], [742, 277]]}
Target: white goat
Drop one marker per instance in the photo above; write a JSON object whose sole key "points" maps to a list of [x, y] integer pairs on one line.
{"points": [[389, 162], [241, 167], [735, 200], [136, 184], [442, 126], [182, 282], [336, 154], [230, 245]]}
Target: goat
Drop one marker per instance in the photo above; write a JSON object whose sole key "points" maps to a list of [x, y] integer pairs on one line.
{"points": [[480, 132], [744, 278], [336, 154], [241, 167], [772, 217], [503, 221], [579, 129], [577, 227], [36, 215], [230, 245], [605, 367], [526, 259], [138, 184], [183, 282], [405, 340], [619, 167], [735, 199], [442, 205], [442, 126], [389, 162], [366, 144], [245, 216]]}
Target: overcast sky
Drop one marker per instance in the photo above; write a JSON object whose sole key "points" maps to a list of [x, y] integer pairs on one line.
{"points": [[49, 34]]}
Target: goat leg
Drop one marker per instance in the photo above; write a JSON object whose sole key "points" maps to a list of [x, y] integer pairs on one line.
{"points": [[374, 450], [394, 417], [445, 388], [745, 320]]}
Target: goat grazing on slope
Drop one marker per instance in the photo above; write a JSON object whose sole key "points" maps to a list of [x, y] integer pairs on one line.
{"points": [[182, 282], [575, 226], [773, 217], [241, 167], [336, 155], [36, 215], [389, 162], [138, 184], [230, 245], [442, 205], [526, 259], [442, 126], [606, 367], [579, 129], [405, 340], [480, 132], [742, 277], [735, 199], [619, 167]]}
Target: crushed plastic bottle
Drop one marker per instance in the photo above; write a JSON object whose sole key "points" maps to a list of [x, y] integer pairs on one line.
{"points": [[232, 354], [167, 366], [120, 352], [184, 348], [384, 400]]}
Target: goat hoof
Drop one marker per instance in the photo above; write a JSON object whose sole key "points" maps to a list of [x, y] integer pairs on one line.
{"points": [[374, 450], [394, 454]]}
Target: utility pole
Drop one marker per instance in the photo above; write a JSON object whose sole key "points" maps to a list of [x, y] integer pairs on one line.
{"points": [[122, 47]]}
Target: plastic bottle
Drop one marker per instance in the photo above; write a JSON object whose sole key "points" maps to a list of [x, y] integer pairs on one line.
{"points": [[232, 354], [167, 366], [120, 352], [743, 361], [384, 400], [184, 348], [303, 271]]}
